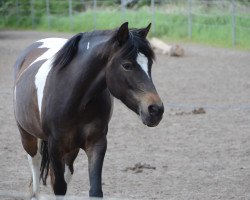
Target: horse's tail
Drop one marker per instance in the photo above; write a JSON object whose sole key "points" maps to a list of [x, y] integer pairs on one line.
{"points": [[44, 169]]}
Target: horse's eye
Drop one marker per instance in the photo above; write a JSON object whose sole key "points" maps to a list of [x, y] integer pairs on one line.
{"points": [[127, 66]]}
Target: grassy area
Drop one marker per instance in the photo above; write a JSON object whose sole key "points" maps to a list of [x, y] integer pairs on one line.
{"points": [[213, 30]]}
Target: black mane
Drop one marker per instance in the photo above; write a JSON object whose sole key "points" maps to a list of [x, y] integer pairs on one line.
{"points": [[65, 55], [67, 52], [135, 44]]}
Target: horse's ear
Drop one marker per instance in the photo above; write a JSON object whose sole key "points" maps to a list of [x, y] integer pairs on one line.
{"points": [[123, 33], [144, 31]]}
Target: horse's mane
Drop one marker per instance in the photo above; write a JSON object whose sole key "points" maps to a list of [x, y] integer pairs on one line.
{"points": [[130, 49], [67, 52], [65, 55], [135, 44]]}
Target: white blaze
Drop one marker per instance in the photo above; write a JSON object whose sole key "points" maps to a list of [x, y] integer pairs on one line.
{"points": [[53, 45], [142, 60], [88, 45]]}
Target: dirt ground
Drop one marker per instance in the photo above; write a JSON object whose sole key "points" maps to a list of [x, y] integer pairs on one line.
{"points": [[190, 155]]}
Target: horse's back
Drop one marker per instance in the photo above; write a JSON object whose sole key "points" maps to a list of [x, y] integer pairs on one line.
{"points": [[34, 52]]}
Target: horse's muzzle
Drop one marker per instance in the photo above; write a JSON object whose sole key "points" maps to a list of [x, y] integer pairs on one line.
{"points": [[152, 115]]}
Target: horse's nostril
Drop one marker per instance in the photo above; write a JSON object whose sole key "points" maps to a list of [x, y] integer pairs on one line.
{"points": [[153, 110]]}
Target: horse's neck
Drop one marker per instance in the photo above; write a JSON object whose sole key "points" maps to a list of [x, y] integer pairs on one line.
{"points": [[97, 85], [88, 74]]}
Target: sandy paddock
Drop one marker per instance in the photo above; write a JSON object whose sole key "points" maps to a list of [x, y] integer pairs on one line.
{"points": [[188, 156]]}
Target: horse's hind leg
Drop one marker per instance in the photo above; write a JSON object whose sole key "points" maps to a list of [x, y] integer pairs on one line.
{"points": [[30, 145], [56, 154], [69, 168], [69, 159]]}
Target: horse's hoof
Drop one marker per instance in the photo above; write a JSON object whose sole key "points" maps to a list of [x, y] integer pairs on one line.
{"points": [[95, 194], [34, 197]]}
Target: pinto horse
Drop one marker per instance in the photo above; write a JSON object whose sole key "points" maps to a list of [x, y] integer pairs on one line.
{"points": [[63, 99]]}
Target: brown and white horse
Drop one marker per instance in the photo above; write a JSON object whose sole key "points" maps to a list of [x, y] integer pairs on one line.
{"points": [[63, 99]]}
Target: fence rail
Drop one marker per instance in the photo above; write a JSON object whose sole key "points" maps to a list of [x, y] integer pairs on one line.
{"points": [[193, 14]]}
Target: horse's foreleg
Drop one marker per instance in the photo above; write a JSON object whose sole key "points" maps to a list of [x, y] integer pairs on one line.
{"points": [[29, 143], [69, 168], [96, 153], [57, 165]]}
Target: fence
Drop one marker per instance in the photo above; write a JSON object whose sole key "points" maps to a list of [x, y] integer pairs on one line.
{"points": [[218, 20]]}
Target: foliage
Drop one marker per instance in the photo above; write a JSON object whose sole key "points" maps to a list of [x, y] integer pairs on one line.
{"points": [[212, 29]]}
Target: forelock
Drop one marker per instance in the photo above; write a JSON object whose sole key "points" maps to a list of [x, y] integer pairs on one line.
{"points": [[135, 45]]}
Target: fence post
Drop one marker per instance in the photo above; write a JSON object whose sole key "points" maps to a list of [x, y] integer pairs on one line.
{"points": [[17, 12], [123, 6], [233, 24], [94, 14], [3, 12], [32, 12], [70, 16], [153, 16], [48, 12], [190, 19]]}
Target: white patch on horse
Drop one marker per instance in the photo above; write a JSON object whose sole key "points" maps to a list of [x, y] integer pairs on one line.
{"points": [[53, 45], [47, 43], [142, 60], [88, 45], [67, 174], [35, 163]]}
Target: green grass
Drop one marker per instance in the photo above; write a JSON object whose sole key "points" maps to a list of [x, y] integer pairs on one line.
{"points": [[213, 30]]}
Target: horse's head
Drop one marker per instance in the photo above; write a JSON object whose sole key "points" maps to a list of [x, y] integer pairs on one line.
{"points": [[128, 74]]}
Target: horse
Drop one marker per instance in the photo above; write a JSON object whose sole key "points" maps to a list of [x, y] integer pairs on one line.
{"points": [[63, 99]]}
